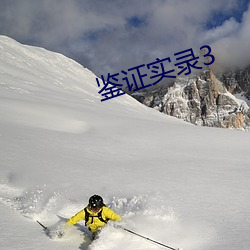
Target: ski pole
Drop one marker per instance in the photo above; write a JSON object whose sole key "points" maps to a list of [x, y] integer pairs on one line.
{"points": [[146, 238], [45, 228]]}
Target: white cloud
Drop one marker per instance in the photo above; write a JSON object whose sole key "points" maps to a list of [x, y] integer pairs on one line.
{"points": [[226, 29], [233, 49], [98, 34]]}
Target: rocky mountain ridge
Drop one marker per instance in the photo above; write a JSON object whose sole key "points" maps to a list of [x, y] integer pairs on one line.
{"points": [[204, 99], [237, 81]]}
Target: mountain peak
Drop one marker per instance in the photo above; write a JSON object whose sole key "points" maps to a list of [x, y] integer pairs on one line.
{"points": [[202, 100]]}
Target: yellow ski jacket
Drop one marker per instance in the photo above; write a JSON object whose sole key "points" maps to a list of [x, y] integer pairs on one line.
{"points": [[94, 223]]}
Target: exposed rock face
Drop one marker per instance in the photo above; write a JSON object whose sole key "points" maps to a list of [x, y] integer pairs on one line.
{"points": [[237, 81], [201, 100]]}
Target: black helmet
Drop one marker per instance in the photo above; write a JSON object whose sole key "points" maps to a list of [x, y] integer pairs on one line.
{"points": [[96, 202]]}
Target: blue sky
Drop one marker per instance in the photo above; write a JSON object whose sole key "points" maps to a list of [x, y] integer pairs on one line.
{"points": [[218, 17], [108, 36]]}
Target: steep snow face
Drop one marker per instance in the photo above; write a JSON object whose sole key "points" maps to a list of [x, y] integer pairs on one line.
{"points": [[179, 184]]}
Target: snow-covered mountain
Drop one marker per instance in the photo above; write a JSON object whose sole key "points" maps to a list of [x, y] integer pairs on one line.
{"points": [[237, 81], [182, 185], [202, 99]]}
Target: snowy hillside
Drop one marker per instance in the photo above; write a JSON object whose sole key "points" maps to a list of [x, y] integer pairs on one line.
{"points": [[182, 185]]}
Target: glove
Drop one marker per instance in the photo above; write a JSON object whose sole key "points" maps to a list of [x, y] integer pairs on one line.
{"points": [[62, 229], [60, 234]]}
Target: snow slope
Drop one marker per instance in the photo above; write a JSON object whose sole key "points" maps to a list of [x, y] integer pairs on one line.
{"points": [[176, 183]]}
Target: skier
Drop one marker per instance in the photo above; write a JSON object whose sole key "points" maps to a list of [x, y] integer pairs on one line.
{"points": [[95, 214]]}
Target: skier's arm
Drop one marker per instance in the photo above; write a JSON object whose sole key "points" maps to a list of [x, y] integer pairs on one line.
{"points": [[77, 217], [110, 214]]}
